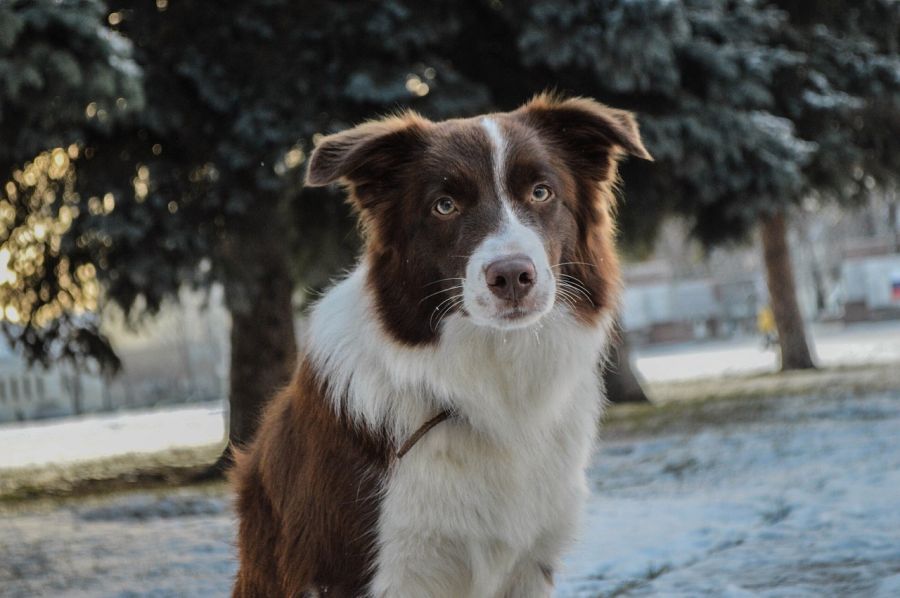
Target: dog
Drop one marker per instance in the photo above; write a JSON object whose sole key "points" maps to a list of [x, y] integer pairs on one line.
{"points": [[434, 438]]}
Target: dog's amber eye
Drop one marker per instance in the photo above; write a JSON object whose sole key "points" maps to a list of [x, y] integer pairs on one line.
{"points": [[444, 206], [541, 193]]}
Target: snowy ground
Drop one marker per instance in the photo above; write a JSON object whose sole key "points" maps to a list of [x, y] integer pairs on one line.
{"points": [[801, 502], [833, 344], [91, 437], [797, 498], [95, 436]]}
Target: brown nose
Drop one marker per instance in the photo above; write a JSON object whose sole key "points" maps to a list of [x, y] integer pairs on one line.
{"points": [[510, 278]]}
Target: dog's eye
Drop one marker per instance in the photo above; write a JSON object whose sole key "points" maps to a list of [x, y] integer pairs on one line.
{"points": [[444, 206], [541, 193]]}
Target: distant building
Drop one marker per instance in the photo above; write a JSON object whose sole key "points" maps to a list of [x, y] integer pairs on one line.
{"points": [[35, 392], [179, 356], [870, 280], [660, 307], [846, 265]]}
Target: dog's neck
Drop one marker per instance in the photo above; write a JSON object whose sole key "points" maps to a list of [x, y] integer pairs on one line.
{"points": [[503, 383]]}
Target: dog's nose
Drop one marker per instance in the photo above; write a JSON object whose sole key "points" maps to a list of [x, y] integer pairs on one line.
{"points": [[510, 278]]}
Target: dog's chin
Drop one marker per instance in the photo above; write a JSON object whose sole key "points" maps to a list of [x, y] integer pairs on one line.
{"points": [[509, 317]]}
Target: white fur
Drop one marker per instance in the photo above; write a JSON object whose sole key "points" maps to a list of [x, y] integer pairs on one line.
{"points": [[511, 238], [483, 499], [498, 150]]}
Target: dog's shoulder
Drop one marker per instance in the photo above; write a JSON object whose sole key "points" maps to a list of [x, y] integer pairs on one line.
{"points": [[307, 493]]}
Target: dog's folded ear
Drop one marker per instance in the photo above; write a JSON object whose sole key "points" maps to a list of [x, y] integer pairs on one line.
{"points": [[588, 132], [369, 151]]}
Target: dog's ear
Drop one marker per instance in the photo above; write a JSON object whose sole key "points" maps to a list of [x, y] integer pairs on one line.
{"points": [[589, 133], [368, 152]]}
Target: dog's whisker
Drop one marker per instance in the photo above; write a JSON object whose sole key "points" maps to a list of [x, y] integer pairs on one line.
{"points": [[573, 282], [576, 299], [570, 277], [567, 297], [447, 311], [577, 288], [447, 290], [585, 295], [452, 297], [437, 310], [442, 280], [459, 301], [559, 265], [566, 300], [567, 291]]}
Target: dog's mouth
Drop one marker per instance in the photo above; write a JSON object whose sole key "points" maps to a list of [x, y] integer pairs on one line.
{"points": [[513, 314], [517, 313]]}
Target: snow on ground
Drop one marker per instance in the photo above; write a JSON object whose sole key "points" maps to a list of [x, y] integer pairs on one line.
{"points": [[833, 344], [801, 501], [95, 436]]}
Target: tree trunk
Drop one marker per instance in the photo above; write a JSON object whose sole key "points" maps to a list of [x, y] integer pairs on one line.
{"points": [[795, 354], [77, 394], [258, 292], [622, 384]]}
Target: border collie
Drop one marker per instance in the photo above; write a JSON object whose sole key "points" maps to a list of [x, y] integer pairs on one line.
{"points": [[434, 438]]}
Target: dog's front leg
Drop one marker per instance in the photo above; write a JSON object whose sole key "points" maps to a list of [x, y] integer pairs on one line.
{"points": [[412, 567], [532, 576], [530, 579]]}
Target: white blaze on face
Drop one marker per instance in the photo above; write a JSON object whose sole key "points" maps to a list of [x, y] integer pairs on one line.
{"points": [[511, 238]]}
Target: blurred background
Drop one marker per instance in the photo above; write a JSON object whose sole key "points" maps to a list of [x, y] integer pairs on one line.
{"points": [[158, 252]]}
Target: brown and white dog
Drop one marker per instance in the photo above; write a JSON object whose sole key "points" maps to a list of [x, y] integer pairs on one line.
{"points": [[485, 290]]}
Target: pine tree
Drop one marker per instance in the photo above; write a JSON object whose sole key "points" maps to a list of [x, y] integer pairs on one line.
{"points": [[748, 107], [170, 137]]}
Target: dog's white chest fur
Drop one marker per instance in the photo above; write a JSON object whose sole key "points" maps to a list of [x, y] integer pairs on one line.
{"points": [[484, 503]]}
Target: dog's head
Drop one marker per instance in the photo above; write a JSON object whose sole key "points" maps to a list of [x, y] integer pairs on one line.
{"points": [[500, 218]]}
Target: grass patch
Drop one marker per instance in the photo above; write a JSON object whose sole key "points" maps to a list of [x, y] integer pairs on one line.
{"points": [[693, 404], [830, 381], [173, 467]]}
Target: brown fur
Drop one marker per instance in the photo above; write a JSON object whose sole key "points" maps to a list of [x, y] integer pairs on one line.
{"points": [[396, 167], [307, 496]]}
